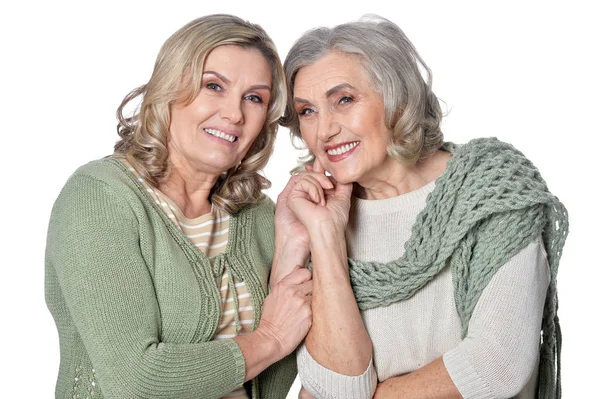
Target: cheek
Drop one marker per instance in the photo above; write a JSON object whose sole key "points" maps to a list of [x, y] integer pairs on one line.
{"points": [[255, 119], [308, 136], [184, 118], [379, 135]]}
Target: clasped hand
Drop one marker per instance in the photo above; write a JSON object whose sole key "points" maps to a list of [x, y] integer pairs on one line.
{"points": [[316, 198]]}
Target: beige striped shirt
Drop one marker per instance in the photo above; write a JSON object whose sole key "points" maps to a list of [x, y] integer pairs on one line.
{"points": [[209, 233]]}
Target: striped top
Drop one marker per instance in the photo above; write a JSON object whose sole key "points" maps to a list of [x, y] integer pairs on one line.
{"points": [[209, 233]]}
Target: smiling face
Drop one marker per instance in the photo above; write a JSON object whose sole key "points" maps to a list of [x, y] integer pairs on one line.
{"points": [[214, 132], [342, 118]]}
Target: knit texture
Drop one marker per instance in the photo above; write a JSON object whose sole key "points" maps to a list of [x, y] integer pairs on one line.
{"points": [[489, 204], [497, 357], [136, 304]]}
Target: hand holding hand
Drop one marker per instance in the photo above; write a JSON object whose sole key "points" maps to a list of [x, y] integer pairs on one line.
{"points": [[287, 225], [287, 315]]}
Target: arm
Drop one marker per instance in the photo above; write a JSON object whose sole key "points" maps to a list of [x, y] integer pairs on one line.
{"points": [[291, 237], [338, 339], [337, 359], [284, 323], [498, 356], [289, 324], [291, 249], [93, 246], [430, 381]]}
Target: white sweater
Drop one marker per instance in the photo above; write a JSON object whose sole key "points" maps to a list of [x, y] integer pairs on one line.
{"points": [[499, 356]]}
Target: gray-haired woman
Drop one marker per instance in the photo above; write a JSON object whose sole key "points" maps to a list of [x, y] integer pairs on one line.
{"points": [[434, 264], [158, 256]]}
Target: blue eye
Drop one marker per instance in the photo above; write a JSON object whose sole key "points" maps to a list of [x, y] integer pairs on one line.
{"points": [[213, 86], [345, 100], [306, 111], [254, 98]]}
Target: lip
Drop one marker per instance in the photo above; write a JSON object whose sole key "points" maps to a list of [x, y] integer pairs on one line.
{"points": [[219, 140], [340, 157]]}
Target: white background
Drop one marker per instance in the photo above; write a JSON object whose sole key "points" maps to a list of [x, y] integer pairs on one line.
{"points": [[526, 72]]}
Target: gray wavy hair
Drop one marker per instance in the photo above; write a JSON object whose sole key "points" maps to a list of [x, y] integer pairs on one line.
{"points": [[144, 135], [412, 111]]}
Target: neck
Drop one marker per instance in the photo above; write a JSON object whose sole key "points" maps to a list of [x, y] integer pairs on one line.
{"points": [[189, 189], [395, 178]]}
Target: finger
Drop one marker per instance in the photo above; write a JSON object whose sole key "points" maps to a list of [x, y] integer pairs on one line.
{"points": [[288, 188], [322, 179], [308, 167], [297, 276], [305, 288], [311, 187], [292, 182], [317, 166], [315, 191], [297, 267]]}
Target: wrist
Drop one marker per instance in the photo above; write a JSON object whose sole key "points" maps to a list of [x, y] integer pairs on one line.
{"points": [[326, 231], [289, 252], [271, 343], [328, 249], [290, 243], [259, 352]]}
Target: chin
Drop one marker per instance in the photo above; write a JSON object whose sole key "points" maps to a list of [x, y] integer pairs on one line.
{"points": [[220, 163], [344, 178]]}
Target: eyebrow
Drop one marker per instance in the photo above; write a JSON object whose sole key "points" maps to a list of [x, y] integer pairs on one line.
{"points": [[227, 81], [328, 93], [337, 88]]}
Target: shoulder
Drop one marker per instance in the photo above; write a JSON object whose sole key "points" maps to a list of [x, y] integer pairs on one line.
{"points": [[100, 184], [91, 203], [263, 211], [479, 143], [108, 170], [483, 147], [490, 162], [109, 173], [485, 150], [266, 205]]}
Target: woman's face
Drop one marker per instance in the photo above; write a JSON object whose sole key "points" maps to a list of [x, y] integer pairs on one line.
{"points": [[214, 132], [342, 118]]}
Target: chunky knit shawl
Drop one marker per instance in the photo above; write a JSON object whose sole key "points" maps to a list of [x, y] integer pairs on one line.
{"points": [[489, 204]]}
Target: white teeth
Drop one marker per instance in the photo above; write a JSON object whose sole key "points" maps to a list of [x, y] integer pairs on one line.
{"points": [[220, 134], [342, 149]]}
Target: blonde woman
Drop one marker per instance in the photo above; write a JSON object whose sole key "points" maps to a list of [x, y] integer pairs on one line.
{"points": [[158, 255]]}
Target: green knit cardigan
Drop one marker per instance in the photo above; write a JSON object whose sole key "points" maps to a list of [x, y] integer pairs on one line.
{"points": [[490, 203], [136, 304]]}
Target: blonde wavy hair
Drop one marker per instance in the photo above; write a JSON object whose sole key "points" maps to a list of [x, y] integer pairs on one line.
{"points": [[144, 134], [397, 71]]}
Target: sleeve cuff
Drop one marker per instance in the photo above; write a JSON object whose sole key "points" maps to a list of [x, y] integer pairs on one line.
{"points": [[323, 383], [239, 361], [464, 376]]}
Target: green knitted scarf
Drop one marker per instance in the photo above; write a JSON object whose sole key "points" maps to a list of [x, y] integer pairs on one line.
{"points": [[489, 204]]}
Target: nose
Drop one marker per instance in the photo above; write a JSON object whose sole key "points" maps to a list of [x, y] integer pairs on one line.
{"points": [[328, 127], [231, 110]]}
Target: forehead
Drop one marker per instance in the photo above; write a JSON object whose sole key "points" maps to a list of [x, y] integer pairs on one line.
{"points": [[328, 71], [235, 62]]}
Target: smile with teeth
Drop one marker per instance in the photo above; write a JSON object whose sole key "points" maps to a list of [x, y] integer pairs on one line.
{"points": [[221, 135], [342, 149]]}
